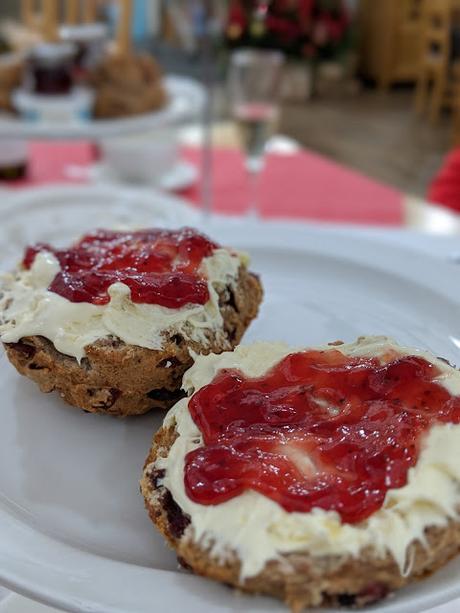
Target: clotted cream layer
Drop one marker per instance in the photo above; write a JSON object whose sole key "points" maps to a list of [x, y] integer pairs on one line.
{"points": [[27, 308], [259, 530]]}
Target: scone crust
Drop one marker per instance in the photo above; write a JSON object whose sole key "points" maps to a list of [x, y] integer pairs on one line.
{"points": [[119, 379], [127, 86], [299, 579]]}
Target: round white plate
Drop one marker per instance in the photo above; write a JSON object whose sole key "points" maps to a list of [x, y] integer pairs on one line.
{"points": [[186, 100], [182, 175], [73, 530], [59, 213]]}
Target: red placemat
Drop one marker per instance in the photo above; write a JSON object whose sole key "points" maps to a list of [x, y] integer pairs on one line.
{"points": [[49, 162], [303, 185]]}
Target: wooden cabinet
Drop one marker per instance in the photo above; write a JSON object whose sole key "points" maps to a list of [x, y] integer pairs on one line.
{"points": [[390, 37]]}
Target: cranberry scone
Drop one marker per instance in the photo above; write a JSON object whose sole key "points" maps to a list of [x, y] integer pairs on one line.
{"points": [[325, 476], [113, 322]]}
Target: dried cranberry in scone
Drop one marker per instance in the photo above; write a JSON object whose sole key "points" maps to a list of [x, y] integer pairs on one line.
{"points": [[110, 323], [321, 476]]}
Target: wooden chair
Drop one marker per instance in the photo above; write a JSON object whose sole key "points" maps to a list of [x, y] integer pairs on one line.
{"points": [[44, 16], [389, 40], [456, 107], [433, 79]]}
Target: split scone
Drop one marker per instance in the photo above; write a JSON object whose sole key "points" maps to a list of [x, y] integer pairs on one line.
{"points": [[113, 322], [127, 85], [326, 476]]}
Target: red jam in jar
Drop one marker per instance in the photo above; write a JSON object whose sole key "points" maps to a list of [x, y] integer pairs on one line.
{"points": [[159, 266], [318, 430], [50, 68]]}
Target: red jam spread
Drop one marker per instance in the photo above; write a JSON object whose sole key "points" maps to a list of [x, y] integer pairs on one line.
{"points": [[159, 266], [319, 430]]}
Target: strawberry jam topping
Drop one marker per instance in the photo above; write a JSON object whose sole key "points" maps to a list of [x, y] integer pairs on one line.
{"points": [[319, 430], [159, 266]]}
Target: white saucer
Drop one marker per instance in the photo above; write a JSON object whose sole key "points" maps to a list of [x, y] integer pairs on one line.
{"points": [[182, 175]]}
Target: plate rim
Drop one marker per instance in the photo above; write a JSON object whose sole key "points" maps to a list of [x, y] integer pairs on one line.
{"points": [[29, 196]]}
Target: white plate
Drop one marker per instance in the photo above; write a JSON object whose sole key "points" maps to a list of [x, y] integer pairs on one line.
{"points": [[58, 213], [73, 530], [186, 100]]}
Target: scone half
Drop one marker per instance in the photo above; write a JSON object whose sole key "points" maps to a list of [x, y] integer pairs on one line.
{"points": [[314, 558], [121, 358]]}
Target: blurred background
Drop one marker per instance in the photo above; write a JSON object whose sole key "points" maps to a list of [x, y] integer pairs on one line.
{"points": [[371, 86]]}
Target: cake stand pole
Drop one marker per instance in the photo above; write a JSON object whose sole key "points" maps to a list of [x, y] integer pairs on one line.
{"points": [[207, 156], [207, 152]]}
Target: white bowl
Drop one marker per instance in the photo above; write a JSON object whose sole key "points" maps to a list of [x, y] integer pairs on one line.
{"points": [[142, 158], [72, 108]]}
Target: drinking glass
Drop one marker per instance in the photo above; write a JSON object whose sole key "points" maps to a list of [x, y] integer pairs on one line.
{"points": [[254, 87]]}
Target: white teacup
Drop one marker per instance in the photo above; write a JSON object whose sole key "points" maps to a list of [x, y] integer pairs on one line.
{"points": [[143, 158]]}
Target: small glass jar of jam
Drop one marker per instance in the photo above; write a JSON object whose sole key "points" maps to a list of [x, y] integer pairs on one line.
{"points": [[50, 69], [90, 40]]}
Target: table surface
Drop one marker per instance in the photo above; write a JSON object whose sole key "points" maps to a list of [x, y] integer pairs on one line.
{"points": [[296, 184]]}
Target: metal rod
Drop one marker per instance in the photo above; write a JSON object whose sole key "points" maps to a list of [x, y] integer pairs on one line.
{"points": [[207, 148], [28, 13]]}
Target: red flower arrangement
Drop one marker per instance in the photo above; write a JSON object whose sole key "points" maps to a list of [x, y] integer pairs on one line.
{"points": [[445, 187], [308, 28]]}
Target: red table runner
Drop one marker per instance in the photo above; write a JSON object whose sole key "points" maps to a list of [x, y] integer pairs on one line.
{"points": [[302, 185]]}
